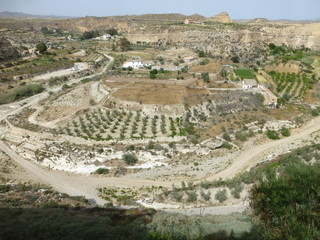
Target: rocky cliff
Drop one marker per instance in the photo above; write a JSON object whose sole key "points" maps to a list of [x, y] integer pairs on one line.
{"points": [[222, 39], [221, 17]]}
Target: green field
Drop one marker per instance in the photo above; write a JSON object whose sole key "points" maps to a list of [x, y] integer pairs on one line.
{"points": [[244, 73]]}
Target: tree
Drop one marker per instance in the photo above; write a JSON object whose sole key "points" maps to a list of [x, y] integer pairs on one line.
{"points": [[272, 46], [45, 30], [112, 31], [130, 158], [285, 132], [124, 44], [271, 134], [235, 59], [221, 195], [201, 53], [205, 76], [42, 47], [288, 204], [90, 34]]}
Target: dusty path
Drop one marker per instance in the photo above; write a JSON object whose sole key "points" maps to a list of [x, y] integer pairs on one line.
{"points": [[86, 185], [15, 107], [76, 185], [79, 185], [186, 82], [254, 155]]}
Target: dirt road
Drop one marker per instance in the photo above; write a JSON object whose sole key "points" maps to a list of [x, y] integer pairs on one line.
{"points": [[73, 184], [76, 185], [254, 155], [13, 108]]}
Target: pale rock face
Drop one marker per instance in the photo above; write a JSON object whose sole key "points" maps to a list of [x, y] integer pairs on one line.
{"points": [[221, 17]]}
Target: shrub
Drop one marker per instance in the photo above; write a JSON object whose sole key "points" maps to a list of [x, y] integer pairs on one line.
{"points": [[226, 137], [240, 135], [102, 171], [227, 145], [190, 186], [206, 197], [315, 112], [285, 132], [236, 191], [205, 184], [221, 195], [271, 134], [177, 196], [192, 196], [130, 159]]}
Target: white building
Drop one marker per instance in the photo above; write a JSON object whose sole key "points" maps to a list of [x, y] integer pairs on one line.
{"points": [[79, 66], [135, 65], [249, 83], [104, 37]]}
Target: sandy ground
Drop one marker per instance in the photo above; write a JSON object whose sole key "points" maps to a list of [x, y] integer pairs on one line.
{"points": [[59, 73]]}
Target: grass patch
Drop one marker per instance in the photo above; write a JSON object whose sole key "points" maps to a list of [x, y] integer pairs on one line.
{"points": [[244, 73]]}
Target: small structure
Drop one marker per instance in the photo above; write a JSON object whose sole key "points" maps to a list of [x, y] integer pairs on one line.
{"points": [[249, 83], [135, 65], [70, 38], [105, 37], [188, 21], [21, 77], [189, 59], [79, 66]]}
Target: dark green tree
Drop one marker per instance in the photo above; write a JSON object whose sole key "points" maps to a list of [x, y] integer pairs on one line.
{"points": [[112, 31], [124, 44], [235, 59], [42, 47]]}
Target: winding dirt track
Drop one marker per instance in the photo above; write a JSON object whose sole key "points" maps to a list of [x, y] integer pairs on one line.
{"points": [[86, 185], [254, 155]]}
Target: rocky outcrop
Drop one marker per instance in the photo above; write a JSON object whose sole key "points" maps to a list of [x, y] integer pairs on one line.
{"points": [[221, 17], [212, 144], [224, 40]]}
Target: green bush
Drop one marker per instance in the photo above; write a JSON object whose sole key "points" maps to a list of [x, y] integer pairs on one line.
{"points": [[205, 184], [192, 196], [285, 132], [130, 159], [227, 145], [102, 171], [221, 195], [271, 134], [205, 196], [226, 137]]}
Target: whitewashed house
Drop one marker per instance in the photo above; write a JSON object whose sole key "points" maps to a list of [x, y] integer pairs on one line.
{"points": [[249, 83], [135, 65]]}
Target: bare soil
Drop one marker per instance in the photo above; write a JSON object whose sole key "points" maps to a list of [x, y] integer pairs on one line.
{"points": [[152, 93]]}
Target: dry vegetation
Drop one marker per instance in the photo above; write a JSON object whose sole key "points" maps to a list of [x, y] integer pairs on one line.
{"points": [[152, 93]]}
